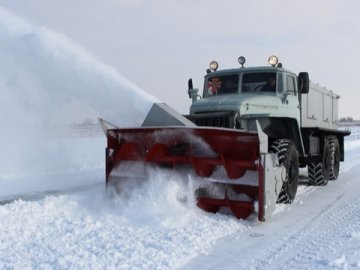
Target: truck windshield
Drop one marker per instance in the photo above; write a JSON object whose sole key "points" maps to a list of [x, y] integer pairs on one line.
{"points": [[221, 85], [259, 82]]}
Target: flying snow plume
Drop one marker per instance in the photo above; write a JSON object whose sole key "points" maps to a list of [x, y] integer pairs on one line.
{"points": [[47, 82], [47, 79]]}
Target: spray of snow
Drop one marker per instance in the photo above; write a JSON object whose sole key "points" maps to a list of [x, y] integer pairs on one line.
{"points": [[48, 83], [47, 79]]}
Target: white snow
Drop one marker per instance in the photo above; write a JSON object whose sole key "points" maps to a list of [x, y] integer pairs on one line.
{"points": [[48, 84]]}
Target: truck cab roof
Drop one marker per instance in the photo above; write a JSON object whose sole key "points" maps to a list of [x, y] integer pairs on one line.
{"points": [[248, 69]]}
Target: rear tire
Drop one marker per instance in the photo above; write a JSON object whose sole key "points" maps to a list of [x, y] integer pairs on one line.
{"points": [[334, 157], [288, 156], [319, 173]]}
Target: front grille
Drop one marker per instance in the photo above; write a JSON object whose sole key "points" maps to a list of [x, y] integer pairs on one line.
{"points": [[213, 119]]}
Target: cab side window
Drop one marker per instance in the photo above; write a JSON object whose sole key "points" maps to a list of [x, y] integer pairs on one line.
{"points": [[280, 83], [290, 84]]}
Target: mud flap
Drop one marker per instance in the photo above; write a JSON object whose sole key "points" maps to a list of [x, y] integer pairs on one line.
{"points": [[271, 179]]}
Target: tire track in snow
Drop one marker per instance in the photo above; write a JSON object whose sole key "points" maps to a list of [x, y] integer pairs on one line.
{"points": [[312, 244], [315, 240], [336, 220]]}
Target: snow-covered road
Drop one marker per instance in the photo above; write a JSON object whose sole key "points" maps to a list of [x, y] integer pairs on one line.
{"points": [[152, 229]]}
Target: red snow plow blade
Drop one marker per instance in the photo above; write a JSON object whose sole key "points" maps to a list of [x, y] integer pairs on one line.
{"points": [[207, 151]]}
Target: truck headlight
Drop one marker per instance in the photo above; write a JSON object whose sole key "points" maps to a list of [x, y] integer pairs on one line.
{"points": [[273, 60], [214, 65], [241, 60]]}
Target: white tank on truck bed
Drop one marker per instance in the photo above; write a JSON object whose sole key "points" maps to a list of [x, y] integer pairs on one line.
{"points": [[319, 108]]}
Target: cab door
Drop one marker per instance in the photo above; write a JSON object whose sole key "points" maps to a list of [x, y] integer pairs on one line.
{"points": [[290, 96]]}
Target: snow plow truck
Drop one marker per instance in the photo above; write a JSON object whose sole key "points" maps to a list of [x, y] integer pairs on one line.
{"points": [[246, 137]]}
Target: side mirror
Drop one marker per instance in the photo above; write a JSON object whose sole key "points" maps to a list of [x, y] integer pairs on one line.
{"points": [[192, 92], [303, 82], [190, 87]]}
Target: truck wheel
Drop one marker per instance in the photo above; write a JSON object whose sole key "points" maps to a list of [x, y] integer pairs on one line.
{"points": [[334, 157], [288, 156], [319, 172]]}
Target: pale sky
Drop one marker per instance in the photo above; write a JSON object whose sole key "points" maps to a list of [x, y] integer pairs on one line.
{"points": [[160, 44]]}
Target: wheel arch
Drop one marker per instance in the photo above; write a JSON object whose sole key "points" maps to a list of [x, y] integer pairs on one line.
{"points": [[283, 128]]}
